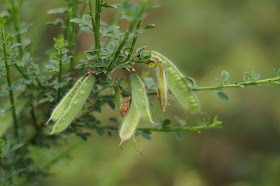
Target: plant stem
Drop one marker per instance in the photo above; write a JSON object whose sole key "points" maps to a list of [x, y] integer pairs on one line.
{"points": [[16, 22], [59, 73], [234, 85], [83, 9], [126, 36], [133, 42], [116, 20], [97, 26], [15, 12], [12, 100], [170, 129], [33, 115], [72, 32]]}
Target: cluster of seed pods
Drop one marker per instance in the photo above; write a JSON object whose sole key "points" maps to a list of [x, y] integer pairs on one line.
{"points": [[69, 107], [169, 79]]}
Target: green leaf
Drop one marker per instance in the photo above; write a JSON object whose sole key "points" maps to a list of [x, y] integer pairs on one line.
{"points": [[223, 96], [15, 147], [61, 10], [16, 45], [180, 121], [150, 26], [79, 21], [25, 59], [105, 5], [191, 80], [100, 131], [52, 67], [225, 75], [165, 123], [178, 135], [139, 50]]}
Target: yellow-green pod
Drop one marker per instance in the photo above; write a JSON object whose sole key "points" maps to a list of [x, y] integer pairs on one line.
{"points": [[64, 103], [178, 85], [130, 123], [140, 96], [162, 90], [75, 105]]}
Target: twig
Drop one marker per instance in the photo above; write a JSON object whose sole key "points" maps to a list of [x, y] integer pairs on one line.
{"points": [[197, 89], [97, 26], [133, 42], [11, 92]]}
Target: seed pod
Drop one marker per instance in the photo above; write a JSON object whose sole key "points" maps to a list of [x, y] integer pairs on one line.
{"points": [[140, 96], [162, 90], [118, 97], [64, 103], [75, 105], [130, 123], [178, 85]]}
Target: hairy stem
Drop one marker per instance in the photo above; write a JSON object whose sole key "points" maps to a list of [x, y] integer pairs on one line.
{"points": [[116, 20], [59, 73], [12, 99], [133, 42], [236, 85], [170, 129], [15, 12], [97, 26], [197, 89]]}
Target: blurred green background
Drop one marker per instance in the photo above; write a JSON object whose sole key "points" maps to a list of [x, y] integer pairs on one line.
{"points": [[202, 38]]}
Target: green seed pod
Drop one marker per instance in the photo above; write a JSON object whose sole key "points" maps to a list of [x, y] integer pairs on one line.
{"points": [[140, 95], [178, 85], [162, 90], [75, 105], [64, 103], [130, 123]]}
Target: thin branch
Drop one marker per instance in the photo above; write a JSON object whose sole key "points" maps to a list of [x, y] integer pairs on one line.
{"points": [[11, 92], [238, 85], [197, 89], [171, 129], [59, 73], [133, 42], [97, 26], [116, 21]]}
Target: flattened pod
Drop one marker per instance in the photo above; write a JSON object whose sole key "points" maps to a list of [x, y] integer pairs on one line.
{"points": [[162, 91], [64, 103], [178, 85], [75, 105], [130, 123], [140, 96]]}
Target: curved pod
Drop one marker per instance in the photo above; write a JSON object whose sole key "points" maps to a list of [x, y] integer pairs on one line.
{"points": [[64, 103], [75, 106], [178, 85], [130, 123], [162, 90], [140, 96]]}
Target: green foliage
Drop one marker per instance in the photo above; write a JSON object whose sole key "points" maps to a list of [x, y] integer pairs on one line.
{"points": [[34, 88]]}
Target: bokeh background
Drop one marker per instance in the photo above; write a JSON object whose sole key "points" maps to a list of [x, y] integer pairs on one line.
{"points": [[202, 38]]}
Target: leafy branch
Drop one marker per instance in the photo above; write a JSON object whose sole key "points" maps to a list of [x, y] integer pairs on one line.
{"points": [[8, 77]]}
